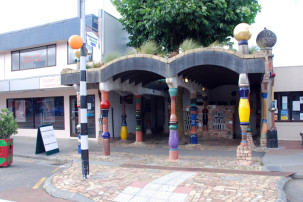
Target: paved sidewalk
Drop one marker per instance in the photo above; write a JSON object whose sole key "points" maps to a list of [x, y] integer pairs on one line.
{"points": [[142, 172]]}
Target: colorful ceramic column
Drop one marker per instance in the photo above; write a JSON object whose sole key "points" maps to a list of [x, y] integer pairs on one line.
{"points": [[244, 152], [138, 119], [123, 132], [173, 141], [244, 113], [249, 131], [148, 121], [205, 116], [193, 117], [264, 128], [266, 39], [105, 105]]}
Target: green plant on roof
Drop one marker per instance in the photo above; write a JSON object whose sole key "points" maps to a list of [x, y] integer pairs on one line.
{"points": [[189, 44], [110, 56], [149, 47], [8, 125]]}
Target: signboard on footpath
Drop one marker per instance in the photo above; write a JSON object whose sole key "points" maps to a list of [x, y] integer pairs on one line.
{"points": [[46, 140]]}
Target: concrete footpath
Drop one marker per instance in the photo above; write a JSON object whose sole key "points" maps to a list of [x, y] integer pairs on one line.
{"points": [[142, 172]]}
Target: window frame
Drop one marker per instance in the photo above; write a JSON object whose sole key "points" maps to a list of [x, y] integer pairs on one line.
{"points": [[68, 49], [278, 97], [33, 108], [46, 47]]}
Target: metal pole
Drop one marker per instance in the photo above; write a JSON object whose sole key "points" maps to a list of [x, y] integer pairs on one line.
{"points": [[83, 97]]}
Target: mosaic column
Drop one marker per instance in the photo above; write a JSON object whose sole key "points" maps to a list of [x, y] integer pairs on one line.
{"points": [[264, 127], [244, 152], [123, 132], [193, 117], [148, 121], [105, 105], [173, 141], [249, 131], [205, 116], [138, 118]]}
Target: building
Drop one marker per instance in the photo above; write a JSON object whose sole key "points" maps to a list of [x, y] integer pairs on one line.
{"points": [[31, 61], [39, 77], [289, 102]]}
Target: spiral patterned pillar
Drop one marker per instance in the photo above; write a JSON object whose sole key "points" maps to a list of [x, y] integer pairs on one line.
{"points": [[105, 105], [123, 132], [173, 141], [193, 117], [138, 118]]}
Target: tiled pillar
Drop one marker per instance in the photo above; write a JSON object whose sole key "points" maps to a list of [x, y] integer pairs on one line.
{"points": [[173, 141], [249, 131], [264, 128], [123, 132], [205, 116], [104, 105], [148, 121], [139, 119], [244, 152], [193, 117]]}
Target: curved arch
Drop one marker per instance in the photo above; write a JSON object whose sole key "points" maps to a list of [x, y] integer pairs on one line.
{"points": [[217, 58], [150, 64], [227, 59]]}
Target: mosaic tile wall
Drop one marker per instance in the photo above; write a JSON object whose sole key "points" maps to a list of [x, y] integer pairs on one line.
{"points": [[220, 122]]}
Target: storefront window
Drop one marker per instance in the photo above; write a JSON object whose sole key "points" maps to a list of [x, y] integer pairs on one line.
{"points": [[71, 54], [33, 112], [289, 106], [43, 56]]}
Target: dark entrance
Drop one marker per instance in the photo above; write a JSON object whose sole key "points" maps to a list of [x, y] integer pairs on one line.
{"points": [[90, 116]]}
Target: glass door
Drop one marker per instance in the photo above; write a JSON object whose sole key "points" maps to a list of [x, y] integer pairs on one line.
{"points": [[90, 116]]}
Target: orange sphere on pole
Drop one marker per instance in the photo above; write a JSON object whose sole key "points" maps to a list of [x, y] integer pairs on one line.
{"points": [[75, 41]]}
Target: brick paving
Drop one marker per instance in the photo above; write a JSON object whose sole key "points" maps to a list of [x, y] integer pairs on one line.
{"points": [[144, 177]]}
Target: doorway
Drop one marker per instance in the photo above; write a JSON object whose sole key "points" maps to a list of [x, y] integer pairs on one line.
{"points": [[91, 128]]}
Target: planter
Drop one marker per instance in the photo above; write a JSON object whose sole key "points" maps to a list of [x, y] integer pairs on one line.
{"points": [[6, 152]]}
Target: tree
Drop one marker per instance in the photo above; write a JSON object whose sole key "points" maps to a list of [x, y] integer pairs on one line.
{"points": [[169, 22]]}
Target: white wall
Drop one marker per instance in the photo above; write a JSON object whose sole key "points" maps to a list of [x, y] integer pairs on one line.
{"points": [[289, 130], [288, 79]]}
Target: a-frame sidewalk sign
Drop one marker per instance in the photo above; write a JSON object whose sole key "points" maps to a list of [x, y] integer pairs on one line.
{"points": [[46, 140]]}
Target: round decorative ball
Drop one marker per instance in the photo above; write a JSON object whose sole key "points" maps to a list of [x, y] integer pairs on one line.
{"points": [[266, 39], [77, 54], [242, 32], [75, 42], [105, 104]]}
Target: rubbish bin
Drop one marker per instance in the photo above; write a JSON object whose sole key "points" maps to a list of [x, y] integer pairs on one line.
{"points": [[272, 139]]}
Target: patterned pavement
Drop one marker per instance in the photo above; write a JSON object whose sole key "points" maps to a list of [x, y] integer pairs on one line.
{"points": [[144, 177]]}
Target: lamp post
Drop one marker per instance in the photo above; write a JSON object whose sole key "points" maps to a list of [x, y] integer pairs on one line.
{"points": [[76, 42]]}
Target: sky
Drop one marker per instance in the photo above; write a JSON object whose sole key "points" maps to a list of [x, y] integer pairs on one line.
{"points": [[280, 16]]}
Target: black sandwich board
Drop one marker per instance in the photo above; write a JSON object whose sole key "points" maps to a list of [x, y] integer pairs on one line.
{"points": [[46, 140]]}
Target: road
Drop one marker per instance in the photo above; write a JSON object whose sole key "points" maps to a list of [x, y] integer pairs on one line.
{"points": [[23, 180]]}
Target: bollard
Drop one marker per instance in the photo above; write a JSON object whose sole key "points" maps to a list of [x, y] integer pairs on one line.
{"points": [[302, 137]]}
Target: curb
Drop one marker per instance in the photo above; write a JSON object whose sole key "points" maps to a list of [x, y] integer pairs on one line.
{"points": [[297, 175], [280, 188], [55, 192]]}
